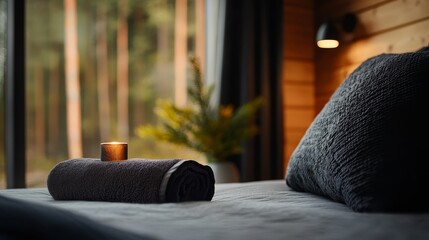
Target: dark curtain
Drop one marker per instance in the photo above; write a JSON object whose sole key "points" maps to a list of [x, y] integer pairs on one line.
{"points": [[252, 67]]}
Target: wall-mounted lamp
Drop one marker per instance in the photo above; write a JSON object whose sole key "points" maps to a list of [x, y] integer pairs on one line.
{"points": [[327, 34]]}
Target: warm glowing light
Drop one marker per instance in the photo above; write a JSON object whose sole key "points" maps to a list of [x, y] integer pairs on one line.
{"points": [[114, 151], [114, 143], [328, 43]]}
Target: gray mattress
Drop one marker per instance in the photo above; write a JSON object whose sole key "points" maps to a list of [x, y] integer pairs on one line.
{"points": [[254, 210]]}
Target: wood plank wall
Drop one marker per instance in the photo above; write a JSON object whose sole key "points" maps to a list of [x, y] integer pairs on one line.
{"points": [[298, 71], [384, 26], [311, 74]]}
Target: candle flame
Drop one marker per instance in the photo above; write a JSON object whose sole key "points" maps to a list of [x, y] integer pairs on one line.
{"points": [[113, 143]]}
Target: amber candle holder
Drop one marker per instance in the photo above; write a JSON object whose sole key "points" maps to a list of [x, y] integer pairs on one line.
{"points": [[114, 151]]}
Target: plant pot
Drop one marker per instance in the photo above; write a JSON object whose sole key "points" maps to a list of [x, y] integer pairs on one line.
{"points": [[225, 172]]}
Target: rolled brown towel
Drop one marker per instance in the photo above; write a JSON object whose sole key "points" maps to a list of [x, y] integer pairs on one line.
{"points": [[133, 180]]}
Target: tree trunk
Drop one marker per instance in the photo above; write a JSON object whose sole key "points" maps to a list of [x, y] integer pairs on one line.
{"points": [[200, 34], [163, 42], [53, 107], [180, 52], [74, 129], [90, 107], [39, 113], [122, 70], [137, 69], [53, 120], [103, 76]]}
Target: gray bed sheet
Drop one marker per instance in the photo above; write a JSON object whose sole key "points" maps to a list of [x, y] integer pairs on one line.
{"points": [[253, 210]]}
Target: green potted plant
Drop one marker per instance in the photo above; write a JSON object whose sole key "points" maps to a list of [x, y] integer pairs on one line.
{"points": [[216, 132]]}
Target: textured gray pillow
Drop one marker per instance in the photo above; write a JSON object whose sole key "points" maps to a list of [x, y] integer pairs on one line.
{"points": [[368, 147]]}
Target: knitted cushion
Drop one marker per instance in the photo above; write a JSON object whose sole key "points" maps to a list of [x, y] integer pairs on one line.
{"points": [[368, 147]]}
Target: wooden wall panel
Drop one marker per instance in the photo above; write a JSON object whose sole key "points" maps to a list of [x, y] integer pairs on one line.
{"points": [[299, 67], [299, 95], [384, 26], [406, 38], [298, 32], [311, 75], [298, 71], [336, 8], [299, 118], [391, 15], [329, 81]]}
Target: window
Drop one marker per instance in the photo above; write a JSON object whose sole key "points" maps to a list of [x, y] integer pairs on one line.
{"points": [[94, 71]]}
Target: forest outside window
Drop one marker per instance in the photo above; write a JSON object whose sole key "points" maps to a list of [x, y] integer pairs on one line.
{"points": [[94, 71]]}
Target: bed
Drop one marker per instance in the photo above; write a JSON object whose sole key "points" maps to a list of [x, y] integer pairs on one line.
{"points": [[359, 172], [252, 210]]}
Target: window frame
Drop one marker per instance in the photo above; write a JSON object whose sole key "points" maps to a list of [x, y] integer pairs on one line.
{"points": [[15, 139]]}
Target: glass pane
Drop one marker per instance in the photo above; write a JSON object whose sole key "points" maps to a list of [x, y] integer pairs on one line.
{"points": [[94, 71], [2, 67]]}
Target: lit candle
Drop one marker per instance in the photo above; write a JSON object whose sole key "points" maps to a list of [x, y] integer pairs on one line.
{"points": [[113, 151]]}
